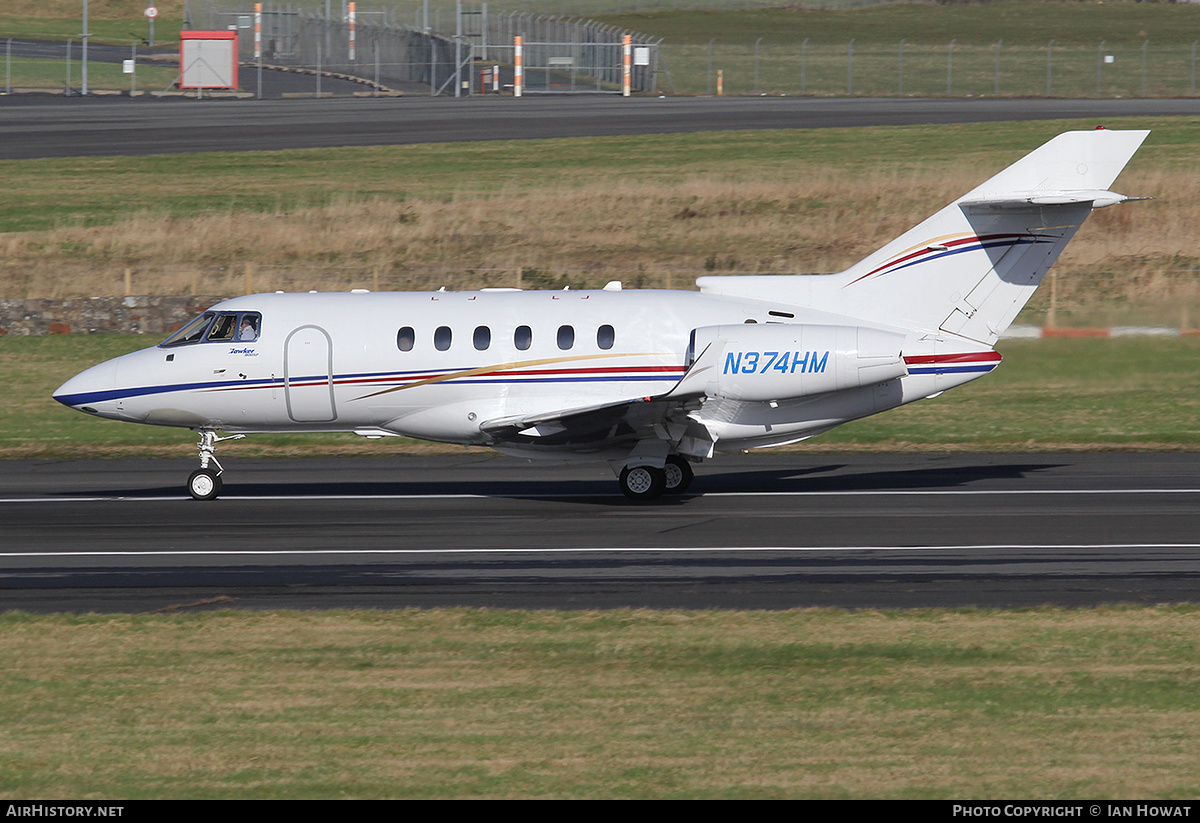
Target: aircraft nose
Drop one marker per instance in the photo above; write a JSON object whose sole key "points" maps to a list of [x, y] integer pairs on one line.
{"points": [[89, 387]]}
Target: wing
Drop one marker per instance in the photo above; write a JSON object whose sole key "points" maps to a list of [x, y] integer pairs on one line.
{"points": [[620, 424], [585, 427]]}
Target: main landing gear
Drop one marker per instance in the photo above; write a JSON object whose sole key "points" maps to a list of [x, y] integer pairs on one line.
{"points": [[205, 483], [643, 483]]}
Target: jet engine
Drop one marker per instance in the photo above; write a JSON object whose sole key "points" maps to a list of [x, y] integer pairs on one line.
{"points": [[772, 362]]}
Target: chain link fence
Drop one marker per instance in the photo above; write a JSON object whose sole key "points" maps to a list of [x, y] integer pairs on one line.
{"points": [[949, 69], [560, 54]]}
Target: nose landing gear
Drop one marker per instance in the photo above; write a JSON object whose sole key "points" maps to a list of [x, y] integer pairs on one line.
{"points": [[205, 483]]}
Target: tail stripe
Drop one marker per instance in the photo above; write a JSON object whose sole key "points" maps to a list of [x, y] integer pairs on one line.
{"points": [[928, 253]]}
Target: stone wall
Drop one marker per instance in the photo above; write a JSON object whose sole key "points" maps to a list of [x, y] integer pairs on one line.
{"points": [[156, 316]]}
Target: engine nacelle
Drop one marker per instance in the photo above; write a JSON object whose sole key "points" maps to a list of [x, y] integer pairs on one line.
{"points": [[780, 361]]}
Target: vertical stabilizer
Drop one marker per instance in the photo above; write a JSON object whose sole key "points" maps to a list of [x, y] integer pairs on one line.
{"points": [[972, 266]]}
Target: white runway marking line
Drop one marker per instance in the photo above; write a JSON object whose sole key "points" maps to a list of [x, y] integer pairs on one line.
{"points": [[626, 550], [861, 493]]}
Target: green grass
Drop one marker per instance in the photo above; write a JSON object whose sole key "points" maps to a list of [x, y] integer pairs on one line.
{"points": [[116, 32], [1040, 703], [980, 24], [976, 67], [1051, 394], [49, 193], [51, 74], [1078, 393]]}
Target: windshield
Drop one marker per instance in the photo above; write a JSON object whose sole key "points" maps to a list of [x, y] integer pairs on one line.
{"points": [[218, 327], [190, 333]]}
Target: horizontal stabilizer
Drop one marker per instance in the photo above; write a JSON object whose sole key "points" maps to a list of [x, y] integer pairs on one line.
{"points": [[1022, 200]]}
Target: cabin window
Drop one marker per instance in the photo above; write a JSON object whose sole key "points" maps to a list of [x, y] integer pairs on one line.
{"points": [[406, 338], [482, 338], [605, 337], [442, 338], [566, 337], [523, 338]]}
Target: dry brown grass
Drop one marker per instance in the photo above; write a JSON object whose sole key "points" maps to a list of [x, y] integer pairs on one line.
{"points": [[646, 233], [461, 703]]}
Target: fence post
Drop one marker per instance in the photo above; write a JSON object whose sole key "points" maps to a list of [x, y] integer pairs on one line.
{"points": [[1099, 65], [950, 66], [458, 49], [1049, 63], [900, 68], [1194, 42], [1145, 43], [756, 42], [518, 71], [850, 67], [249, 278], [626, 77], [999, 43], [803, 49], [710, 49], [258, 43]]}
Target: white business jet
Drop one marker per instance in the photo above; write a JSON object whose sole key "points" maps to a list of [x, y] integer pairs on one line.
{"points": [[650, 380]]}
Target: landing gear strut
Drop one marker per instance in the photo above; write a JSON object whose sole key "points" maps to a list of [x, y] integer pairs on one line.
{"points": [[205, 483]]}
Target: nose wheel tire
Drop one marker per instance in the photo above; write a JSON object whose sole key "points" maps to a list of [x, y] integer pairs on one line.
{"points": [[643, 482], [204, 484]]}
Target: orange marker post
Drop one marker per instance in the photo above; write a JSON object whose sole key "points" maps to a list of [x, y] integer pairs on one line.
{"points": [[626, 78], [518, 74]]}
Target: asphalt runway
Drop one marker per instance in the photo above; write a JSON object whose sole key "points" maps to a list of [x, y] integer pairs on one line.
{"points": [[757, 531], [66, 127]]}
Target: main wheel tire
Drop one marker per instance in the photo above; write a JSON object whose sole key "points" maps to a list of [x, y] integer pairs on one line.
{"points": [[643, 482], [679, 475], [204, 484]]}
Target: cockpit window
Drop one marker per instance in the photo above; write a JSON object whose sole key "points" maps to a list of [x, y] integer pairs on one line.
{"points": [[222, 330], [218, 327], [248, 326], [190, 333]]}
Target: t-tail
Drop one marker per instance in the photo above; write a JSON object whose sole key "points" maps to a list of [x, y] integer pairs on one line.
{"points": [[969, 269]]}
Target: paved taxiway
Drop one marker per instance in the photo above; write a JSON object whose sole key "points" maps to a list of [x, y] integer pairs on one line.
{"points": [[759, 531], [114, 126], [767, 531]]}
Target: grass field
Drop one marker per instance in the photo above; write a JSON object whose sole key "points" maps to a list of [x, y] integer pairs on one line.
{"points": [[653, 211], [1039, 703], [1014, 48], [31, 73], [1053, 394]]}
